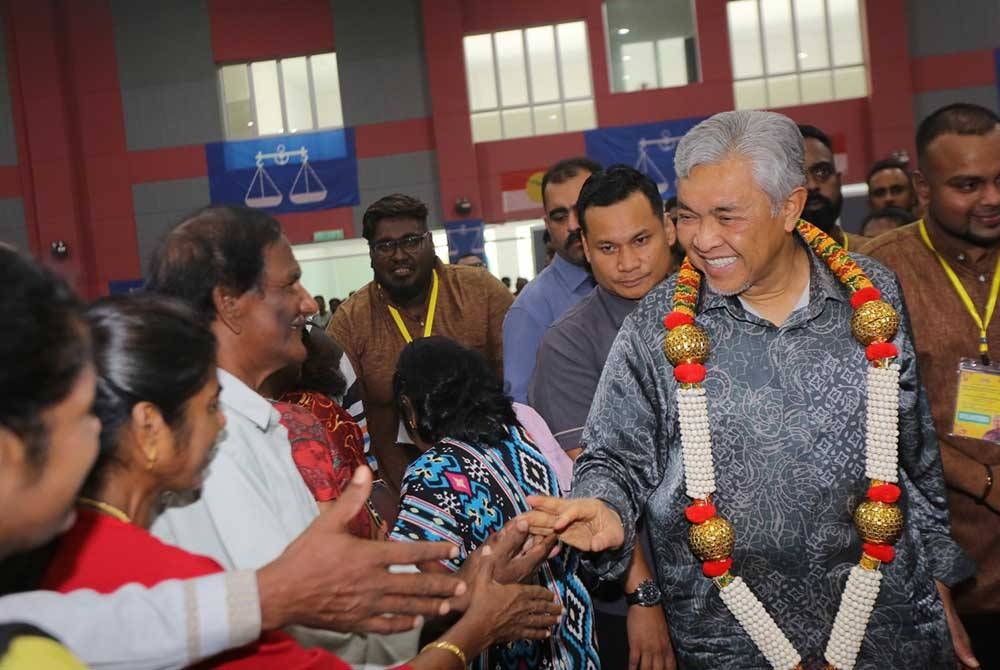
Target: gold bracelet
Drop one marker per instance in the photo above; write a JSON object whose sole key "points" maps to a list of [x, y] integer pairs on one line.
{"points": [[447, 646]]}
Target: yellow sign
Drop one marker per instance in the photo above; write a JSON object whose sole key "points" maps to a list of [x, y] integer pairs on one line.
{"points": [[534, 186], [977, 408]]}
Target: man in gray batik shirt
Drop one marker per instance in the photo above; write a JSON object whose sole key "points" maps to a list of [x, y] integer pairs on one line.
{"points": [[627, 240], [786, 398]]}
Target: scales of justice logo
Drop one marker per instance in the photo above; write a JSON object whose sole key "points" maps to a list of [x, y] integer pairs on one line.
{"points": [[306, 187], [666, 144]]}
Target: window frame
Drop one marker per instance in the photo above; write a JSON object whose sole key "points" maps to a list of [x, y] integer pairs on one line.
{"points": [[799, 71], [227, 129], [531, 104]]}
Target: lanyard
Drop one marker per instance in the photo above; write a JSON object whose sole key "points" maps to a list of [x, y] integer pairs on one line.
{"points": [[845, 241], [428, 320], [991, 302]]}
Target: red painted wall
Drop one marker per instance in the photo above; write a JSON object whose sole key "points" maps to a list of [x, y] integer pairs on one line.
{"points": [[246, 30]]}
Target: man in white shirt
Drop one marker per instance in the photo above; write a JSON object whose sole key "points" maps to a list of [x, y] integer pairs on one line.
{"points": [[237, 269]]}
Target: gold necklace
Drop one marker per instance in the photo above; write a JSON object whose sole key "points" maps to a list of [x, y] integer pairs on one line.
{"points": [[107, 508]]}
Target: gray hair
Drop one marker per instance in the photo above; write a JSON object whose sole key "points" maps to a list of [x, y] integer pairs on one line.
{"points": [[770, 140]]}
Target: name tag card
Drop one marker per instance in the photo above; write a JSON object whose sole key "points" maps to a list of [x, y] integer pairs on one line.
{"points": [[977, 406]]}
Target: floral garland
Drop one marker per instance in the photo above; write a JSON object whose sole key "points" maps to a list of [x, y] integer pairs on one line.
{"points": [[878, 519]]}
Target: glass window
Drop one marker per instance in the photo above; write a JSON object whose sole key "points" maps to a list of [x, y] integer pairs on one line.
{"points": [[651, 44], [326, 83], [807, 51], [541, 43], [267, 97], [238, 108], [744, 39], [298, 103], [276, 97], [574, 59], [527, 82], [479, 72]]}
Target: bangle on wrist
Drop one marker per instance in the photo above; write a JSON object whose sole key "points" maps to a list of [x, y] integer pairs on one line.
{"points": [[448, 646], [989, 484]]}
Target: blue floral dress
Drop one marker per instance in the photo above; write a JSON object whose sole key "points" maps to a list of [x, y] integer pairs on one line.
{"points": [[462, 493]]}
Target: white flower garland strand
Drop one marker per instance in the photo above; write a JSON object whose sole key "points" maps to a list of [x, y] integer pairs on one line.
{"points": [[861, 591]]}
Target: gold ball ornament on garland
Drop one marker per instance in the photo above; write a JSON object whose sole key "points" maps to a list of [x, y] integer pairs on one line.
{"points": [[686, 344], [712, 540], [878, 522], [874, 321]]}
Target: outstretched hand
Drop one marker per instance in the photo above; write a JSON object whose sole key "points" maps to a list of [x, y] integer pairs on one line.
{"points": [[299, 587], [587, 524]]}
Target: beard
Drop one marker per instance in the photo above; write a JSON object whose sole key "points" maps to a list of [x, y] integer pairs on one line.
{"points": [[821, 211]]}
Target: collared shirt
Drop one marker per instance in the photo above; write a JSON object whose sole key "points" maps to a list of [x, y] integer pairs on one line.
{"points": [[543, 300], [571, 357], [253, 504], [787, 419], [945, 333], [167, 627], [470, 309]]}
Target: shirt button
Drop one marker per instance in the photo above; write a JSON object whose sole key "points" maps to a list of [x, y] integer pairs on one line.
{"points": [[982, 278], [961, 257]]}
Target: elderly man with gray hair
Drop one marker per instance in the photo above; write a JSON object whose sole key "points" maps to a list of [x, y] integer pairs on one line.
{"points": [[762, 413]]}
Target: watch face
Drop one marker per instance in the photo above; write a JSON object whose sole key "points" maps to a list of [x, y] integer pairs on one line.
{"points": [[647, 593]]}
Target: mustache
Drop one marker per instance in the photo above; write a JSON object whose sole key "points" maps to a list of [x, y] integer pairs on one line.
{"points": [[572, 238], [818, 199]]}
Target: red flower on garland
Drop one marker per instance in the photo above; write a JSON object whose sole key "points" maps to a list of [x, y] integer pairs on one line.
{"points": [[689, 373], [880, 552], [876, 351], [884, 493], [864, 295], [699, 513], [676, 318], [715, 569]]}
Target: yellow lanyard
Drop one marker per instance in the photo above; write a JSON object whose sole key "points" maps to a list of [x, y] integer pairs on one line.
{"points": [[428, 320], [845, 241], [982, 321]]}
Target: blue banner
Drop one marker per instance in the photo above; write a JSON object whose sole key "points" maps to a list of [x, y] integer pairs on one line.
{"points": [[289, 173], [648, 148], [119, 286], [465, 237]]}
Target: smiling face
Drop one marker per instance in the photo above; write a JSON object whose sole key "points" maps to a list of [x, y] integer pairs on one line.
{"points": [[273, 316], [959, 180], [560, 217], [403, 273], [628, 246], [726, 224], [891, 187]]}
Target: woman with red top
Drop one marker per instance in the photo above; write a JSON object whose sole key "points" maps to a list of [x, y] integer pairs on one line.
{"points": [[327, 443], [157, 400]]}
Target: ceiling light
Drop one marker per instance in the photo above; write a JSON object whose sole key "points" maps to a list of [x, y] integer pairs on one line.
{"points": [[250, 123], [626, 58], [623, 31], [803, 54]]}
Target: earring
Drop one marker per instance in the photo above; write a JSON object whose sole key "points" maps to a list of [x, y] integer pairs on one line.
{"points": [[151, 461]]}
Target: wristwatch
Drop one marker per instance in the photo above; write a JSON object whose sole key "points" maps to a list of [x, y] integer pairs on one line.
{"points": [[647, 594]]}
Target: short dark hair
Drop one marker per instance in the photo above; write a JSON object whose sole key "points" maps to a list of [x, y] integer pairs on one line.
{"points": [[961, 118], [395, 206], [613, 185], [216, 246], [887, 164], [454, 392], [147, 348], [44, 347], [901, 216], [816, 134], [568, 168]]}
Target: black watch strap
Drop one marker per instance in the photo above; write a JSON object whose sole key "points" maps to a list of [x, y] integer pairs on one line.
{"points": [[646, 594]]}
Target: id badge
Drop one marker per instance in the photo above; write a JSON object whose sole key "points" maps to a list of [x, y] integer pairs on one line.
{"points": [[977, 405]]}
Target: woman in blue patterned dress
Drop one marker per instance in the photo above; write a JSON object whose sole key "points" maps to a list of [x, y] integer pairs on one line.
{"points": [[475, 470]]}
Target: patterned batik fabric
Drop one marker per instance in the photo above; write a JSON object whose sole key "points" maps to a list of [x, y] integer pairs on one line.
{"points": [[461, 493]]}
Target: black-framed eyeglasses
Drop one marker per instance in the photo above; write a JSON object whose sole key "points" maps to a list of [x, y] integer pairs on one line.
{"points": [[821, 172], [409, 244]]}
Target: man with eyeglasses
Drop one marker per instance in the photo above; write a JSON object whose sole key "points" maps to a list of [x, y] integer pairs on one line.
{"points": [[413, 295], [824, 200]]}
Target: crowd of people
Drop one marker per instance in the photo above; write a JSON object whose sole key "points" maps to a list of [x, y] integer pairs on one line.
{"points": [[722, 431]]}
